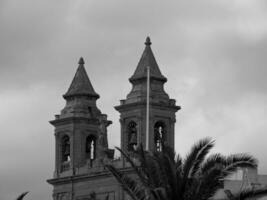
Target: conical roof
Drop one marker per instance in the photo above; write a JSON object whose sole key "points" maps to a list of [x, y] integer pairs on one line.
{"points": [[81, 85], [146, 60]]}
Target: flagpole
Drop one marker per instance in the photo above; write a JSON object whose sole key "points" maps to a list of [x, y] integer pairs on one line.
{"points": [[147, 108]]}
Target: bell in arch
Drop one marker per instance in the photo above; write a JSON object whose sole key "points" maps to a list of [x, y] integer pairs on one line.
{"points": [[67, 148], [133, 140]]}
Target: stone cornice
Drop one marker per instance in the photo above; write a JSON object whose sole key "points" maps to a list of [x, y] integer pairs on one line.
{"points": [[67, 120], [77, 178], [130, 106]]}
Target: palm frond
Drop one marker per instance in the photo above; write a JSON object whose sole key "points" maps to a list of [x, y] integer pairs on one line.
{"points": [[207, 185], [178, 175], [213, 160], [246, 159], [168, 151], [21, 196], [191, 160], [233, 162], [208, 144], [156, 171], [248, 193], [148, 165], [140, 173], [130, 185], [170, 171], [178, 162], [159, 194]]}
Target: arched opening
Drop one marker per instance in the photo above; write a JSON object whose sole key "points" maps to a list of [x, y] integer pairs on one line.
{"points": [[90, 147], [132, 136], [65, 149], [159, 135]]}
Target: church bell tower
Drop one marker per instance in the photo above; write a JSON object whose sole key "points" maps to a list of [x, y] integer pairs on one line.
{"points": [[80, 129], [133, 109]]}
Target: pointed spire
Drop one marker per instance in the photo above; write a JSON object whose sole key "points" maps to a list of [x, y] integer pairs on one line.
{"points": [[146, 60], [81, 85], [81, 61]]}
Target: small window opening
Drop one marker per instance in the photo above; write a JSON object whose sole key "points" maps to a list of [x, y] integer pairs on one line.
{"points": [[132, 136], [159, 135], [90, 147], [65, 149]]}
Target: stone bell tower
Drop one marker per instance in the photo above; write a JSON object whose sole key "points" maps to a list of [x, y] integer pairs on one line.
{"points": [[80, 129], [82, 146], [133, 108]]}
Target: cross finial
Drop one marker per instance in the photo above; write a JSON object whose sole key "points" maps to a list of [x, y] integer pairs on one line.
{"points": [[81, 61], [148, 43]]}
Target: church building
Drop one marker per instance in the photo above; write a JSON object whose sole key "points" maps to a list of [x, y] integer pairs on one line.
{"points": [[81, 144], [147, 116]]}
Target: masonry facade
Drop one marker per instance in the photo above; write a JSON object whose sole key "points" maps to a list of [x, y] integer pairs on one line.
{"points": [[81, 144]]}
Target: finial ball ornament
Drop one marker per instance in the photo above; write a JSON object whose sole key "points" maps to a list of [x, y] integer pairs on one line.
{"points": [[148, 42], [81, 61]]}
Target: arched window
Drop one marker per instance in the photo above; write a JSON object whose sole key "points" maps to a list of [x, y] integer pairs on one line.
{"points": [[132, 136], [159, 135], [90, 147], [65, 148]]}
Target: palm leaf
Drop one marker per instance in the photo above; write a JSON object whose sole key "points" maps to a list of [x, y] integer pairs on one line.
{"points": [[248, 193], [159, 194], [156, 169], [191, 161], [170, 171], [21, 196], [207, 185], [141, 174], [178, 175], [128, 184], [236, 161], [148, 165], [168, 151], [211, 162], [247, 160], [207, 145]]}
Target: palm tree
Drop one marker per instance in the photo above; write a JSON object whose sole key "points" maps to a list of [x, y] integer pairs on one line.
{"points": [[164, 175]]}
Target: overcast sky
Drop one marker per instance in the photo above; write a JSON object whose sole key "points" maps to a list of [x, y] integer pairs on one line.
{"points": [[214, 54]]}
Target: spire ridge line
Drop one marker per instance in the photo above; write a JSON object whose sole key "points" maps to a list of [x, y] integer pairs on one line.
{"points": [[81, 84], [147, 59]]}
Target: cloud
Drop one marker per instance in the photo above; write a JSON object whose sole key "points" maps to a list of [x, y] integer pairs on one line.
{"points": [[212, 52]]}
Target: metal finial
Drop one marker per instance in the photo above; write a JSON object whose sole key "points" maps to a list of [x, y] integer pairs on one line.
{"points": [[81, 61], [148, 43]]}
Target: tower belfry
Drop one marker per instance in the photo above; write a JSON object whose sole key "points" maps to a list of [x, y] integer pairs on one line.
{"points": [[133, 108], [80, 129]]}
